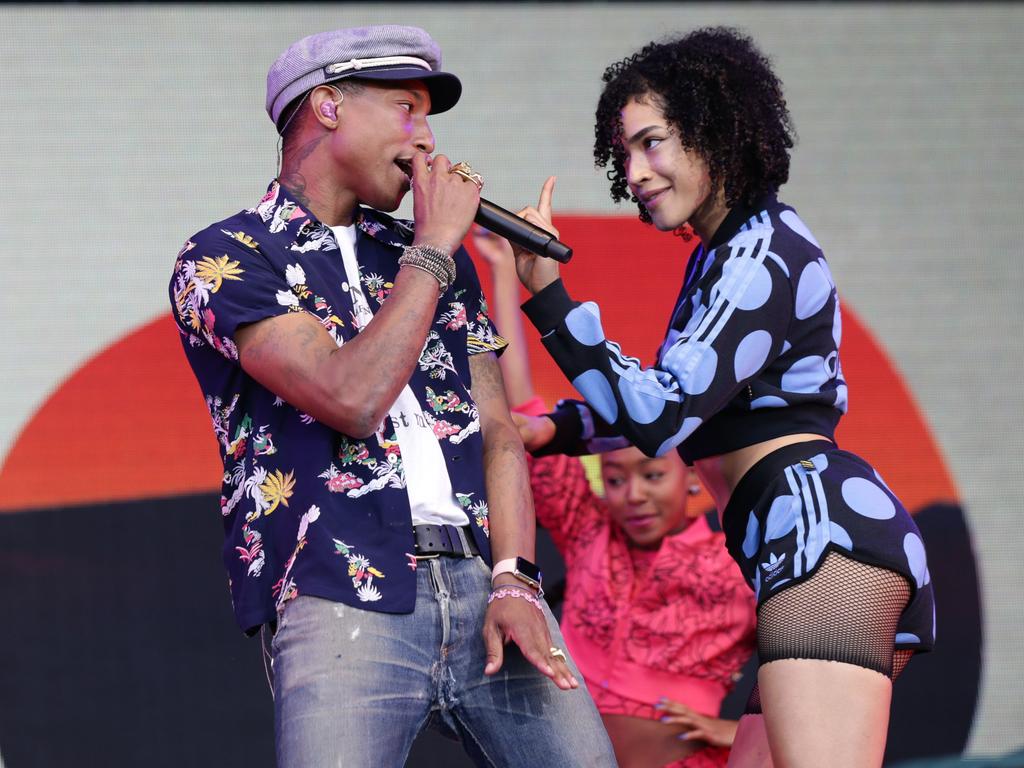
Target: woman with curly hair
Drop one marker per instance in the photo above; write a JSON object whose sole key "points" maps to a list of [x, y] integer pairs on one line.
{"points": [[748, 388]]}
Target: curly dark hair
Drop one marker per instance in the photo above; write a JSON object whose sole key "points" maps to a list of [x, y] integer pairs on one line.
{"points": [[718, 92]]}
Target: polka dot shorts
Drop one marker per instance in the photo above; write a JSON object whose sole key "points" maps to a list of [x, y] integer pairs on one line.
{"points": [[805, 500]]}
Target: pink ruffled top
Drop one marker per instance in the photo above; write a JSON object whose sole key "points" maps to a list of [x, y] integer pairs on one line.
{"points": [[678, 622]]}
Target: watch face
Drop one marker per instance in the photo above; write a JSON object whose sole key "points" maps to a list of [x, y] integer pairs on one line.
{"points": [[527, 571]]}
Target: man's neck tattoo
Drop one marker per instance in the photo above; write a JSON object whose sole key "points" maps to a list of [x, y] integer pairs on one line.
{"points": [[296, 185], [291, 177]]}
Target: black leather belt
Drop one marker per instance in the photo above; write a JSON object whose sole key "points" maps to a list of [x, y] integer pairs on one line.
{"points": [[444, 540]]}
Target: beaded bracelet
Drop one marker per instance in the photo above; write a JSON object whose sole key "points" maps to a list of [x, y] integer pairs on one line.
{"points": [[539, 591], [436, 262], [437, 256], [510, 591], [431, 257], [437, 268]]}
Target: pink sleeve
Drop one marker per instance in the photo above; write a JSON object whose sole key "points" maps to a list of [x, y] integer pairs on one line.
{"points": [[565, 503], [535, 406]]}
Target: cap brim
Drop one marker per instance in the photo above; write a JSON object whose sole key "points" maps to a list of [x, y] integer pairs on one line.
{"points": [[445, 88]]}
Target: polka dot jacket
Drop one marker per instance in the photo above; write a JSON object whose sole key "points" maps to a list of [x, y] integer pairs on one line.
{"points": [[751, 351]]}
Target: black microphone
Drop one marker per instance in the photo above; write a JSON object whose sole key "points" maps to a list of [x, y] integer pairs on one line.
{"points": [[521, 232]]}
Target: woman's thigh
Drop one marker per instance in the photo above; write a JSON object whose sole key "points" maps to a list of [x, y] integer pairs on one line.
{"points": [[641, 743], [815, 709], [826, 646]]}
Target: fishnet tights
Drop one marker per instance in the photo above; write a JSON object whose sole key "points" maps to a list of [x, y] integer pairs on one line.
{"points": [[847, 611]]}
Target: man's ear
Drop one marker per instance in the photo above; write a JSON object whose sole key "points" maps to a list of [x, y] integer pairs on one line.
{"points": [[326, 103]]}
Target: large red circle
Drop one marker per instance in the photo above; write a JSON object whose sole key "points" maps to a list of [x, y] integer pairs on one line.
{"points": [[130, 423]]}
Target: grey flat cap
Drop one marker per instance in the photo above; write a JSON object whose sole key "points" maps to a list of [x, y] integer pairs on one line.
{"points": [[387, 52]]}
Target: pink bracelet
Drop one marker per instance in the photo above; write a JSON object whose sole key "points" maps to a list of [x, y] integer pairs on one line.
{"points": [[510, 591], [539, 593]]}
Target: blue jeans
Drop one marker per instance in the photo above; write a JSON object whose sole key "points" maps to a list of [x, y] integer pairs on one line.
{"points": [[355, 687]]}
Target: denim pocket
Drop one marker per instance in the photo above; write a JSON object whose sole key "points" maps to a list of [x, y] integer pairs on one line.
{"points": [[282, 625], [483, 566]]}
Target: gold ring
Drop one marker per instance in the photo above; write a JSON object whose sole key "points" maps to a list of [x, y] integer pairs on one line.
{"points": [[464, 170], [557, 653]]}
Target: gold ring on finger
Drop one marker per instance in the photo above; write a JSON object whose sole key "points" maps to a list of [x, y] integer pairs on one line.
{"points": [[465, 171], [557, 653]]}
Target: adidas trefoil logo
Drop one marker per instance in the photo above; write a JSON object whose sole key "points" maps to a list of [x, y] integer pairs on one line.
{"points": [[773, 566]]}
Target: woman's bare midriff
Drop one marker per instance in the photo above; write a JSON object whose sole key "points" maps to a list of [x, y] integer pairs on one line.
{"points": [[721, 474], [641, 743]]}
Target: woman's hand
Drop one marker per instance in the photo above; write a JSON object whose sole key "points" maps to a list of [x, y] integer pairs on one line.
{"points": [[537, 272], [713, 730], [534, 431], [494, 249]]}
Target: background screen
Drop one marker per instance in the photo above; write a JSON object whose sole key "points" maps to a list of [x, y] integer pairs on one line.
{"points": [[127, 128]]}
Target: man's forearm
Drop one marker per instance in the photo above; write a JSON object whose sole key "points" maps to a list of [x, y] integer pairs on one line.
{"points": [[350, 387], [512, 523], [378, 363]]}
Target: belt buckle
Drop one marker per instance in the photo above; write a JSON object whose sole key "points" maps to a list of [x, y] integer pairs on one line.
{"points": [[428, 556]]}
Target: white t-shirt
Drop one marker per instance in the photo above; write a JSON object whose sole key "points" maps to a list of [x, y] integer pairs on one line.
{"points": [[426, 475]]}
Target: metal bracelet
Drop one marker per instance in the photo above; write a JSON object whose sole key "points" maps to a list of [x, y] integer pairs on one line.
{"points": [[437, 262]]}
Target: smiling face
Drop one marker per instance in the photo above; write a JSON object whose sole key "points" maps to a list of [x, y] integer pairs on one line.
{"points": [[380, 127], [646, 497], [672, 182]]}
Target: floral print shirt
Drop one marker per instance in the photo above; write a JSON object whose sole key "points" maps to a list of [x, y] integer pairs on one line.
{"points": [[306, 509]]}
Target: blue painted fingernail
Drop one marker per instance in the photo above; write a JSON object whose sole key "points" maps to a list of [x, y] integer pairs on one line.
{"points": [[665, 719], [684, 736]]}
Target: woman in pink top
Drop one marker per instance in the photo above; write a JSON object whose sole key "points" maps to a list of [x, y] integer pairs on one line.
{"points": [[656, 614]]}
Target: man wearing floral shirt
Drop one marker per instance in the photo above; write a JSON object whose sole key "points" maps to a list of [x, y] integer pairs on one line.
{"points": [[370, 464]]}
